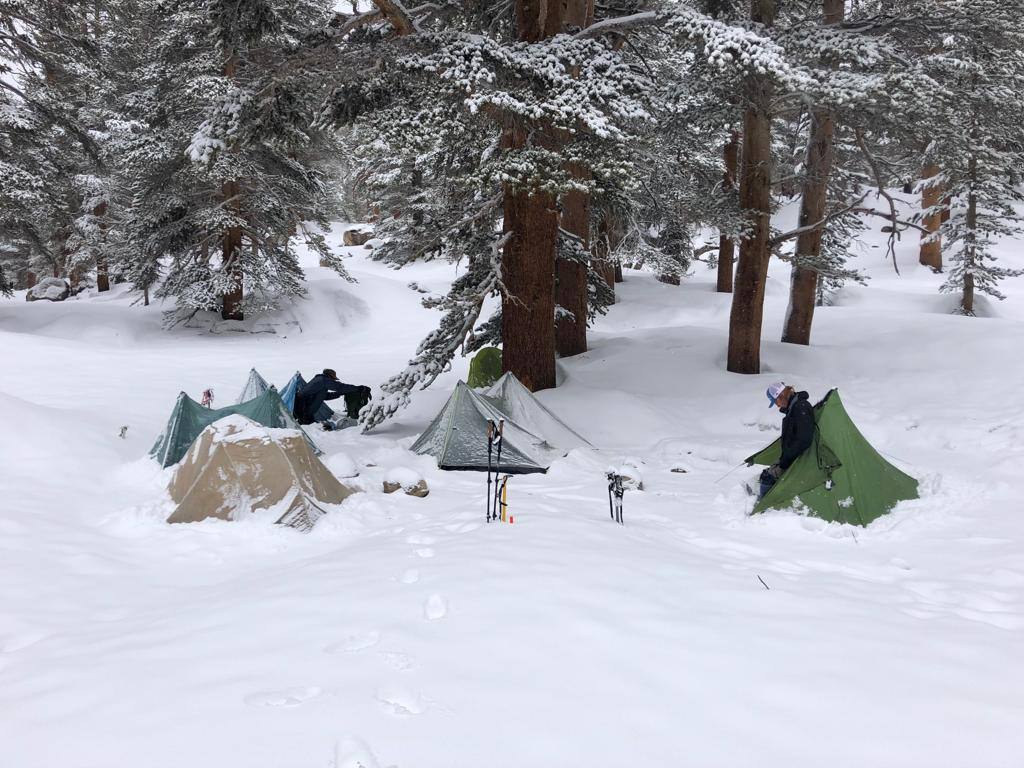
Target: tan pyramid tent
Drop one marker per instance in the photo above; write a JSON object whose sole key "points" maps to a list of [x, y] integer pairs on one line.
{"points": [[236, 467]]}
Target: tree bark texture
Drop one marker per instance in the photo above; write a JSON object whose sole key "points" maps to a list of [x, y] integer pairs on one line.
{"points": [[527, 268], [744, 352], [931, 251], [571, 276], [528, 259], [803, 290], [726, 247]]}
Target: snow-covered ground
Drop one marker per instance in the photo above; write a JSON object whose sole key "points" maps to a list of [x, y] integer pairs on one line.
{"points": [[405, 632]]}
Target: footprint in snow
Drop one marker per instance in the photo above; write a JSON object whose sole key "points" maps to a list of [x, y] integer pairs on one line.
{"points": [[411, 576], [425, 552], [353, 752], [401, 701], [418, 538], [357, 641], [400, 662], [286, 697], [462, 527], [435, 608]]}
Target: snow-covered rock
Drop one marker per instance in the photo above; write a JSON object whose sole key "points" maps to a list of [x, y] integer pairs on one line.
{"points": [[50, 289], [408, 480]]}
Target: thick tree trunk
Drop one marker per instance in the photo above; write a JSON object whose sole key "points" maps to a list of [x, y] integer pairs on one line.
{"points": [[527, 268], [744, 353], [726, 247], [803, 290], [528, 260], [571, 276], [931, 251], [102, 274]]}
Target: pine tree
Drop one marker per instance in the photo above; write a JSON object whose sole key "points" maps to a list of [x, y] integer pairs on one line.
{"points": [[217, 170]]}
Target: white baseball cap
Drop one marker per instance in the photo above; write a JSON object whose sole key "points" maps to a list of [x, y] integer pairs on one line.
{"points": [[773, 392]]}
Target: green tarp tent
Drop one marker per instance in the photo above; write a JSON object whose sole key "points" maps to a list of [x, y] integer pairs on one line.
{"points": [[484, 368], [840, 478], [189, 418]]}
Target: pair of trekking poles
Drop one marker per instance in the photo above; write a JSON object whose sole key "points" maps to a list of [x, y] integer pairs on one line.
{"points": [[616, 490], [497, 502]]}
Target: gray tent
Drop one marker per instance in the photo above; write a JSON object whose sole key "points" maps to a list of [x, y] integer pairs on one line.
{"points": [[458, 435], [254, 387], [512, 397]]}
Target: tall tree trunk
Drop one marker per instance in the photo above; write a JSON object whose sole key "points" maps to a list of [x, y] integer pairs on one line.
{"points": [[971, 240], [726, 246], [528, 259], [803, 290], [231, 302], [102, 274], [608, 238], [571, 276], [744, 353], [527, 268], [618, 274], [931, 251]]}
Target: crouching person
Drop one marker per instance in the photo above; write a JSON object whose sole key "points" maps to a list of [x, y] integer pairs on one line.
{"points": [[324, 386], [797, 430]]}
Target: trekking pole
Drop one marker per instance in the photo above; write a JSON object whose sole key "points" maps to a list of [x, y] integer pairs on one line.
{"points": [[497, 468], [490, 435], [742, 463], [619, 493]]}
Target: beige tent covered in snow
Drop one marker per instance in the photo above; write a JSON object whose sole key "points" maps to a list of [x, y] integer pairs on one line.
{"points": [[237, 466]]}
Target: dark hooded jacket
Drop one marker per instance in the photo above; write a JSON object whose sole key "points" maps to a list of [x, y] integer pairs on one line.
{"points": [[797, 429], [310, 397]]}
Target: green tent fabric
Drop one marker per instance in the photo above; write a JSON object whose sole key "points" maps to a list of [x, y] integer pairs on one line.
{"points": [[840, 478], [189, 418], [484, 368]]}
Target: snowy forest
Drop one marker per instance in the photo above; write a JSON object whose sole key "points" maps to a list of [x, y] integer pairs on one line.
{"points": [[511, 383], [185, 147]]}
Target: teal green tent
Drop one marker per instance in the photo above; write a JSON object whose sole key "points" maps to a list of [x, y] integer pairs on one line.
{"points": [[840, 478], [189, 418], [484, 368]]}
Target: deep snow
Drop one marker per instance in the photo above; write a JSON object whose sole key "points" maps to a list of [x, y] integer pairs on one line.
{"points": [[405, 632]]}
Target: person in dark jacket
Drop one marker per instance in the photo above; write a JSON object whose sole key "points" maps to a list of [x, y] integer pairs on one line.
{"points": [[797, 429], [324, 386]]}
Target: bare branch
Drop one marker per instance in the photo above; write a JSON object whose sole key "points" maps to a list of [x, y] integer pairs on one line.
{"points": [[880, 182]]}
